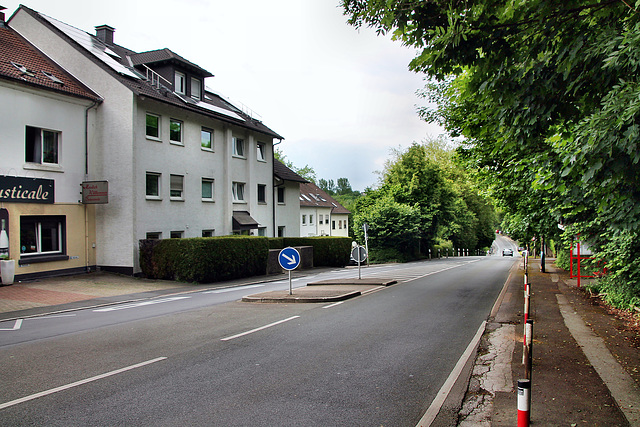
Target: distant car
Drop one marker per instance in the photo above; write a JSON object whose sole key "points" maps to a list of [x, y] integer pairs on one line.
{"points": [[507, 252]]}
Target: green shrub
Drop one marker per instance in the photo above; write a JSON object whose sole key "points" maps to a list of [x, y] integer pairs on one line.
{"points": [[204, 260], [328, 251]]}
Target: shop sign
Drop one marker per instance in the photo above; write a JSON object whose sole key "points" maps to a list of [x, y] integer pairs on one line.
{"points": [[26, 190], [95, 192]]}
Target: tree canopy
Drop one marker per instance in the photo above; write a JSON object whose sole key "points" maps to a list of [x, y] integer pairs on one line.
{"points": [[547, 97]]}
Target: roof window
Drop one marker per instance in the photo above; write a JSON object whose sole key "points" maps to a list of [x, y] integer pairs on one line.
{"points": [[53, 78], [23, 69]]}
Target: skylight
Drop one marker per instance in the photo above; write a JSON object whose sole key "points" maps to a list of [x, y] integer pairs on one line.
{"points": [[53, 78]]}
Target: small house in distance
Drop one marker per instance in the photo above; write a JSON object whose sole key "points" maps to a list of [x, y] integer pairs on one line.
{"points": [[321, 214]]}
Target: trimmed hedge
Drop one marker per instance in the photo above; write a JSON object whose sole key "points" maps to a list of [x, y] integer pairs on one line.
{"points": [[328, 251], [204, 259]]}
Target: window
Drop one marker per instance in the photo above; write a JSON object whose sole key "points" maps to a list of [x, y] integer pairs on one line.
{"points": [[153, 185], [176, 187], [196, 89], [177, 234], [179, 83], [262, 193], [175, 131], [206, 139], [154, 235], [304, 220], [262, 231], [333, 224], [262, 150], [281, 195], [207, 189], [310, 219], [281, 231], [153, 126], [326, 217], [238, 147], [208, 233], [340, 224], [42, 235], [238, 191], [42, 146]]}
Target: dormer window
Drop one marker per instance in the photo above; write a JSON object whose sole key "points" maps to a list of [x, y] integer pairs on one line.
{"points": [[196, 89], [180, 83]]}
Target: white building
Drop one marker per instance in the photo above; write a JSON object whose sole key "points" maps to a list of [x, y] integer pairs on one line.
{"points": [[287, 190], [46, 122], [180, 160], [321, 214]]}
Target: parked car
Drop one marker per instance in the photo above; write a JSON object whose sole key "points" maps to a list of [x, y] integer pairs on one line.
{"points": [[507, 252]]}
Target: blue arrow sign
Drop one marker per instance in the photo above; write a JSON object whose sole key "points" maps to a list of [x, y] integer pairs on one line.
{"points": [[289, 258]]}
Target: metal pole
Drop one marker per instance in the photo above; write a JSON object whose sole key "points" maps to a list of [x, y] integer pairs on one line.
{"points": [[290, 287], [524, 402]]}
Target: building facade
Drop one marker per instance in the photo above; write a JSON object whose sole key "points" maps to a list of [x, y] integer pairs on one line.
{"points": [[180, 160], [321, 214], [47, 120]]}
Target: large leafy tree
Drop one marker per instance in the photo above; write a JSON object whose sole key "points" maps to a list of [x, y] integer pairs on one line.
{"points": [[547, 95]]}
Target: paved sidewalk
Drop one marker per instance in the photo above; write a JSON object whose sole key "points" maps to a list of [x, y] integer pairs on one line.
{"points": [[569, 385]]}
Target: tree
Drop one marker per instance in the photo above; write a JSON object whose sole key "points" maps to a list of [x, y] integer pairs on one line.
{"points": [[307, 172], [547, 95]]}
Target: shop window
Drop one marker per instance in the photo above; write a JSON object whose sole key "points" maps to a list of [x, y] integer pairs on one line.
{"points": [[42, 237]]}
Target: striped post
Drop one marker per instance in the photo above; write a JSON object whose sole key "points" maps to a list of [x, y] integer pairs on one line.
{"points": [[524, 403]]}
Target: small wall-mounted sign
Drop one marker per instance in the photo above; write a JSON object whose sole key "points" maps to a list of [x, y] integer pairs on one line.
{"points": [[95, 192]]}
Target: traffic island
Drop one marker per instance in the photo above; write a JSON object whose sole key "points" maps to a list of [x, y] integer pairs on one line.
{"points": [[314, 294]]}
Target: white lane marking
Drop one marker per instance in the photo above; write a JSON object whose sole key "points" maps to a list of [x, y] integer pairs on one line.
{"points": [[259, 329], [433, 272], [78, 383], [51, 317], [437, 403], [237, 288], [16, 326], [333, 305], [139, 304]]}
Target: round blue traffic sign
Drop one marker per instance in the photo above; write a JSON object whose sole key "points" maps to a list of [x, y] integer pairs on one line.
{"points": [[289, 258]]}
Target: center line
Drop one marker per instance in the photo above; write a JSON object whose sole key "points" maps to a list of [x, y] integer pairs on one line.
{"points": [[77, 383], [258, 329]]}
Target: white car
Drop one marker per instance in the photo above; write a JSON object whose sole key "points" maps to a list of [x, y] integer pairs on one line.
{"points": [[507, 252]]}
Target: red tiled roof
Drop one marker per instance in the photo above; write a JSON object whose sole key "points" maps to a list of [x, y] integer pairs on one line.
{"points": [[313, 196], [21, 61]]}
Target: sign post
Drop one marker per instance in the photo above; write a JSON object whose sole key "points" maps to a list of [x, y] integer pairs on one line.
{"points": [[289, 259], [359, 253]]}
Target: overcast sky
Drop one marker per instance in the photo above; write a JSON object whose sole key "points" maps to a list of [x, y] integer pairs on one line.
{"points": [[341, 97]]}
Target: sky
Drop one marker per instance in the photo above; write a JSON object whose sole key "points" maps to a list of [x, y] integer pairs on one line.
{"points": [[341, 97]]}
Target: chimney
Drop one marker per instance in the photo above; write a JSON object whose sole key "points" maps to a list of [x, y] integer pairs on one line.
{"points": [[2, 8], [105, 33]]}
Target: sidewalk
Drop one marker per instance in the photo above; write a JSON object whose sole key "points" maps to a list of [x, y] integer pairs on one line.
{"points": [[586, 362]]}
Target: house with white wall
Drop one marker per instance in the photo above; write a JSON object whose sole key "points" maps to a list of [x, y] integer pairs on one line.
{"points": [[180, 160], [287, 191], [321, 214], [47, 121]]}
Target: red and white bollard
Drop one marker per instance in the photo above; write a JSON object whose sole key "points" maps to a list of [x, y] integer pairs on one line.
{"points": [[524, 403]]}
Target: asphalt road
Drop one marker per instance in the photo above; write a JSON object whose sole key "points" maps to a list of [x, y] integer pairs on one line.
{"points": [[379, 359]]}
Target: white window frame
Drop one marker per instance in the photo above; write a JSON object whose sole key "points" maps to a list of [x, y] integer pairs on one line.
{"points": [[174, 180], [158, 177], [237, 189], [210, 181], [37, 222], [264, 194], [304, 219], [176, 141], [261, 151], [37, 143], [176, 234], [211, 140], [211, 232], [238, 148], [159, 128], [196, 93], [154, 235], [180, 83]]}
